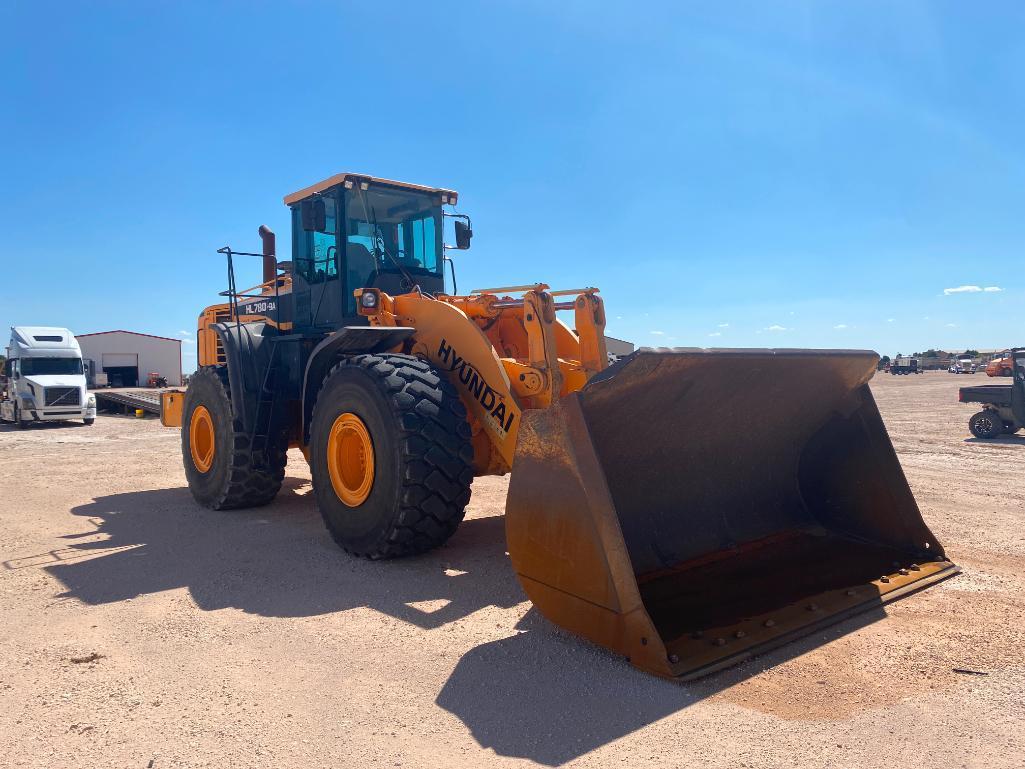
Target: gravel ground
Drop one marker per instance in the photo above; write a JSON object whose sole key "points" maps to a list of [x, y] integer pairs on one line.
{"points": [[143, 631]]}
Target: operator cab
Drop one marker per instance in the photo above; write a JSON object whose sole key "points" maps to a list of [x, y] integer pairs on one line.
{"points": [[351, 232]]}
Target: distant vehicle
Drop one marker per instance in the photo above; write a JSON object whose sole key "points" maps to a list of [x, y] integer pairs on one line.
{"points": [[1000, 366], [965, 366], [154, 379], [44, 380], [952, 369], [904, 364], [95, 377], [1003, 406]]}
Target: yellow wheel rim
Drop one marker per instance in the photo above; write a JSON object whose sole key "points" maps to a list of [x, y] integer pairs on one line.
{"points": [[350, 459], [201, 439]]}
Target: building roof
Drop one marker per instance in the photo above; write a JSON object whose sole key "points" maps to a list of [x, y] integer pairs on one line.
{"points": [[134, 333], [295, 197]]}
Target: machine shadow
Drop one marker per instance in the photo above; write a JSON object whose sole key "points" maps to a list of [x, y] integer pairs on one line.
{"points": [[276, 561], [541, 694], [549, 697], [1003, 440]]}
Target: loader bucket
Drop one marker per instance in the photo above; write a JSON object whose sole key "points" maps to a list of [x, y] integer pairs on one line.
{"points": [[691, 508]]}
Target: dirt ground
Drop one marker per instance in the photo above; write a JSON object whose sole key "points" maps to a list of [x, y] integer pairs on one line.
{"points": [[140, 630]]}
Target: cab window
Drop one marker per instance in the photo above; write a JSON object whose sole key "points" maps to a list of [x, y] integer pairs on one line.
{"points": [[315, 254]]}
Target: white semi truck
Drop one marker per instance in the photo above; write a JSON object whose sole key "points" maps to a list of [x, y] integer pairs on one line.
{"points": [[43, 378]]}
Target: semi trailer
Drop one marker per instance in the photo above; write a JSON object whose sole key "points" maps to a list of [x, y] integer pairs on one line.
{"points": [[904, 364]]}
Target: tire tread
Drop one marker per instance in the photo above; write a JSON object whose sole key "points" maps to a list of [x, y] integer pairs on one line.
{"points": [[248, 485], [436, 468]]}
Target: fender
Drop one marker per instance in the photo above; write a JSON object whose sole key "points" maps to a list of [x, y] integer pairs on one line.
{"points": [[247, 351], [461, 352], [348, 340]]}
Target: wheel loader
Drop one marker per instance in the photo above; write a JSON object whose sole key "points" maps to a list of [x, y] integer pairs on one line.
{"points": [[685, 508]]}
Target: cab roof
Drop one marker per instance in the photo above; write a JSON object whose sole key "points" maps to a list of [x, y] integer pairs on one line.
{"points": [[59, 342], [295, 197]]}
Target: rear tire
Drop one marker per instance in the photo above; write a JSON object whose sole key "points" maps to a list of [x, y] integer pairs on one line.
{"points": [[986, 424], [419, 456], [1010, 428], [231, 478]]}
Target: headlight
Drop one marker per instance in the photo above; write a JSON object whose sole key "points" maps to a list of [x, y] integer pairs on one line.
{"points": [[91, 400]]}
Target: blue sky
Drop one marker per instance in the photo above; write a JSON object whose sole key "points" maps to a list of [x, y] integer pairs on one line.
{"points": [[781, 174]]}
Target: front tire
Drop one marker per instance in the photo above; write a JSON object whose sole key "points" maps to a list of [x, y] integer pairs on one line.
{"points": [[390, 456], [21, 423], [88, 421], [986, 424], [222, 470]]}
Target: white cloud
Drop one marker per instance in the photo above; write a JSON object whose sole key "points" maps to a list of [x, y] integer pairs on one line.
{"points": [[839, 326], [972, 290], [724, 325], [183, 332], [188, 341], [657, 333], [889, 320], [951, 325], [715, 333], [775, 327]]}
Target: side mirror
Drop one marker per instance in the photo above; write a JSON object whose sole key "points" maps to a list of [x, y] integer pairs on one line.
{"points": [[313, 214], [463, 235]]}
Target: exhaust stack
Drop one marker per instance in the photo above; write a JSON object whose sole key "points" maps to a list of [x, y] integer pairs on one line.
{"points": [[270, 258]]}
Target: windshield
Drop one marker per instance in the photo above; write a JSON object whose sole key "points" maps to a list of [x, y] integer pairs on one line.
{"points": [[391, 231], [42, 366]]}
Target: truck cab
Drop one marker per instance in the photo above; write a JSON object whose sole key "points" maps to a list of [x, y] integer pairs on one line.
{"points": [[44, 379]]}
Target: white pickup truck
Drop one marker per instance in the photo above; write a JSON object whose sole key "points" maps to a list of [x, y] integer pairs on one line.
{"points": [[43, 379]]}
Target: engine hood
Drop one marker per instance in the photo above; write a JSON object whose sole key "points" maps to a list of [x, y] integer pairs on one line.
{"points": [[56, 380]]}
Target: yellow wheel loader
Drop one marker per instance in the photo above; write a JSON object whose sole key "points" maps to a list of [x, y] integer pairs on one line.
{"points": [[685, 508]]}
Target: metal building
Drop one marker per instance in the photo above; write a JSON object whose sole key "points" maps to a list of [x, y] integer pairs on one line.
{"points": [[618, 347], [128, 357]]}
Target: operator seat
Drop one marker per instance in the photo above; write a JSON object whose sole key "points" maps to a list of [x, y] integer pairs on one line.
{"points": [[360, 265]]}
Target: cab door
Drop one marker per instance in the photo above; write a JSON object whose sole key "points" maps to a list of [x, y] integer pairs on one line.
{"points": [[316, 265]]}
